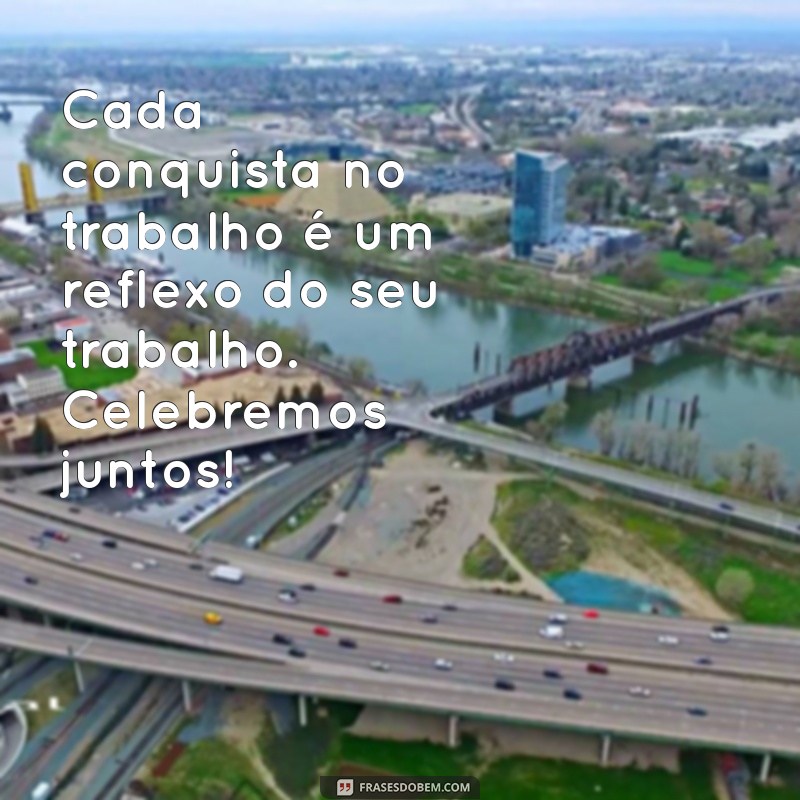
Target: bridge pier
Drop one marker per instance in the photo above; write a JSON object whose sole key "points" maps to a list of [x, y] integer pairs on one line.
{"points": [[452, 731], [580, 380], [302, 710], [95, 212], [35, 218], [605, 749], [766, 764], [79, 679], [186, 690]]}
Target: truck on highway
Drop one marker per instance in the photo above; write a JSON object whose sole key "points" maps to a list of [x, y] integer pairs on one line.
{"points": [[42, 791], [224, 572]]}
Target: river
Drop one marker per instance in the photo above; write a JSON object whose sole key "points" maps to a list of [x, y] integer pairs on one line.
{"points": [[738, 402]]}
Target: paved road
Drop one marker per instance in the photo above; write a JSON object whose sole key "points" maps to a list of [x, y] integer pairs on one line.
{"points": [[355, 602], [740, 715]]}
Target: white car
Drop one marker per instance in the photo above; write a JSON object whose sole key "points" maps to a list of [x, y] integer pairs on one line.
{"points": [[551, 632], [504, 658], [559, 619], [571, 644], [150, 562], [719, 633], [639, 691], [137, 565], [287, 596], [76, 557], [668, 640], [379, 666], [443, 664]]}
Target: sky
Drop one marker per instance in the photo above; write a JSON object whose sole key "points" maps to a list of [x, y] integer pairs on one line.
{"points": [[377, 17]]}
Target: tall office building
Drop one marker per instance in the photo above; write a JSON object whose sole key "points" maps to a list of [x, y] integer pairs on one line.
{"points": [[540, 200]]}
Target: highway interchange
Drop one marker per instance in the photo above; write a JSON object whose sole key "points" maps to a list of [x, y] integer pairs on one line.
{"points": [[749, 690]]}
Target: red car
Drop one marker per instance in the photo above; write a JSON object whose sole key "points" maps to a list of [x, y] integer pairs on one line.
{"points": [[590, 613], [321, 630], [341, 573], [597, 669], [392, 598]]}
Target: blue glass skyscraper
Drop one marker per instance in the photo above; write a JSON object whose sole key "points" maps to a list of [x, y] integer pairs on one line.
{"points": [[540, 200]]}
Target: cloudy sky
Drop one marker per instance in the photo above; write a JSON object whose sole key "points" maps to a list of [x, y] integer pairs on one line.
{"points": [[313, 16]]}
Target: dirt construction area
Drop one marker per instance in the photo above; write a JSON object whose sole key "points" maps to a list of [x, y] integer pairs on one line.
{"points": [[423, 513]]}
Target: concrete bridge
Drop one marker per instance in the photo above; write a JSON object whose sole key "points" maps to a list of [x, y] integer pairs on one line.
{"points": [[576, 357]]}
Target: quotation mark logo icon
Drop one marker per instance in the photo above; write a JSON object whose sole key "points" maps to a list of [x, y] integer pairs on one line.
{"points": [[344, 787]]}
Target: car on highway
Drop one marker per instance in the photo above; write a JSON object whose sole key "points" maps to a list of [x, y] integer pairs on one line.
{"points": [[668, 640], [727, 507], [504, 685], [58, 536], [297, 652], [396, 599], [572, 694], [111, 544], [429, 619], [282, 638], [379, 666], [639, 691], [287, 596], [31, 580], [196, 566], [719, 633], [551, 632], [150, 563], [138, 566], [449, 607], [552, 674], [77, 557], [572, 644], [341, 573], [697, 711], [558, 619], [591, 613], [349, 644], [321, 630], [212, 618], [703, 661], [443, 664], [504, 658], [308, 587], [596, 669]]}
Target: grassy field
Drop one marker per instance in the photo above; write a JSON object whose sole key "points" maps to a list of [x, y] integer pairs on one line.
{"points": [[96, 376], [60, 684], [705, 554], [483, 561], [212, 768], [526, 778]]}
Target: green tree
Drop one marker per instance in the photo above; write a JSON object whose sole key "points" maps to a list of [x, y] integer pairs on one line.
{"points": [[42, 439], [297, 394], [280, 396], [734, 586], [316, 393]]}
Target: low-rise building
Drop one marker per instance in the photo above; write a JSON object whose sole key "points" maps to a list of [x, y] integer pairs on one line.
{"points": [[81, 328]]}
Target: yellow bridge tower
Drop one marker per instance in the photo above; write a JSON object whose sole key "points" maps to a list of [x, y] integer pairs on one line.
{"points": [[95, 210], [33, 212]]}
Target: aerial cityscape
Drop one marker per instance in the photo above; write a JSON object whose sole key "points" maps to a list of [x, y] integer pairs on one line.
{"points": [[418, 419]]}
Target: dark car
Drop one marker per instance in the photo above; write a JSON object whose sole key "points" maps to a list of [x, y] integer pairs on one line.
{"points": [[552, 674], [597, 669], [504, 685], [342, 573], [31, 580], [430, 619], [727, 507], [696, 711], [450, 607], [297, 652], [350, 644], [111, 544], [308, 587], [196, 566], [282, 638], [703, 661], [572, 694]]}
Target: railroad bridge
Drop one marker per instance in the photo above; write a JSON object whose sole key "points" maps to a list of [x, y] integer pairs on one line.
{"points": [[582, 352]]}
